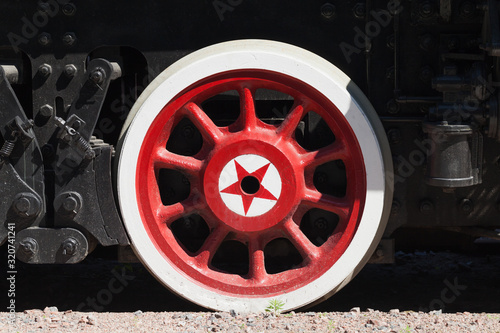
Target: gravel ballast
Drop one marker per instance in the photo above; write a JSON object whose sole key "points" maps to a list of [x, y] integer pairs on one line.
{"points": [[50, 319], [421, 292]]}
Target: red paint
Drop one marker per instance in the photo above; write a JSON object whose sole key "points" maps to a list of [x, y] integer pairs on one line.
{"points": [[249, 135]]}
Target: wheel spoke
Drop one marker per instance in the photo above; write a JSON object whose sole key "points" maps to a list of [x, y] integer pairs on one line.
{"points": [[167, 160], [257, 270], [248, 116], [287, 128], [335, 151], [326, 202], [212, 243], [300, 241], [202, 121], [171, 213]]}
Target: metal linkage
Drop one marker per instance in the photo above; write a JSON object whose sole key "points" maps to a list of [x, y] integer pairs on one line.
{"points": [[84, 196], [72, 137], [51, 246], [21, 167], [16, 129]]}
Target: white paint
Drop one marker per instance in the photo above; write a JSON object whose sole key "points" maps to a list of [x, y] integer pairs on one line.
{"points": [[271, 182], [307, 67]]}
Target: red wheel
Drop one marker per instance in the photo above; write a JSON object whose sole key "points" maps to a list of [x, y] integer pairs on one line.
{"points": [[231, 208]]}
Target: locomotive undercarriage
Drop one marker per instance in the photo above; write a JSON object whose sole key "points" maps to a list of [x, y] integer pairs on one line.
{"points": [[72, 71]]}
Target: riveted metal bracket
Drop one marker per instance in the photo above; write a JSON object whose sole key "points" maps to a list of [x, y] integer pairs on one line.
{"points": [[21, 169]]}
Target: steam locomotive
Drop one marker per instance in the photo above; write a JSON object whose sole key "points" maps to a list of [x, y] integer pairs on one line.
{"points": [[246, 151]]}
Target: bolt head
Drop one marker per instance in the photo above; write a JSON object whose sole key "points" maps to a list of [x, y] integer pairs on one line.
{"points": [[69, 38], [46, 110], [467, 8], [22, 205], [188, 131], [426, 206], [69, 246], [466, 206], [69, 9], [394, 136], [70, 70], [321, 177], [45, 70], [97, 76], [44, 39], [426, 42], [426, 74], [70, 204], [426, 9], [396, 207], [28, 246], [328, 11], [453, 43], [392, 107], [320, 223], [359, 10]]}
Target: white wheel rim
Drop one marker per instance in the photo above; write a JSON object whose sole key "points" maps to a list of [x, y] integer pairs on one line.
{"points": [[294, 62]]}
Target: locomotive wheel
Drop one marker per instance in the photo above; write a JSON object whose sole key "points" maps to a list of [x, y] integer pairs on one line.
{"points": [[231, 210]]}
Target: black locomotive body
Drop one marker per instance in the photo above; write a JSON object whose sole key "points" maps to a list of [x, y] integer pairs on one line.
{"points": [[78, 78]]}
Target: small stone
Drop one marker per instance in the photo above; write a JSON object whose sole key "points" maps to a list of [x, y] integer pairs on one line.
{"points": [[250, 320], [394, 311], [233, 313], [181, 323], [55, 319], [91, 320], [198, 318], [218, 315], [376, 322], [50, 309], [68, 311], [436, 312], [370, 310], [52, 326], [287, 327], [356, 309], [137, 313], [310, 314], [82, 320], [188, 317]]}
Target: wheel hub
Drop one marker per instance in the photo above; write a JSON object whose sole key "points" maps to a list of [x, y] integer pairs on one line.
{"points": [[249, 185]]}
